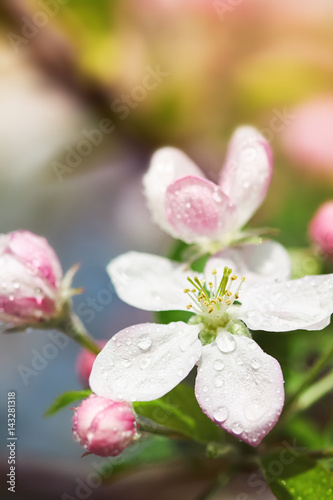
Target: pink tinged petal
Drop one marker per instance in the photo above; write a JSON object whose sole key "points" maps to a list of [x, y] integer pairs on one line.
{"points": [[103, 426], [197, 209], [263, 263], [36, 253], [24, 295], [305, 303], [150, 282], [144, 362], [247, 172], [240, 387], [321, 228], [167, 165]]}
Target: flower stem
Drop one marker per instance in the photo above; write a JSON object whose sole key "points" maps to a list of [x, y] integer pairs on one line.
{"points": [[310, 377], [75, 329]]}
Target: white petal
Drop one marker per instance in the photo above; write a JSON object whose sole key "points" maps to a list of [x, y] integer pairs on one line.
{"points": [[144, 362], [305, 304], [247, 172], [240, 387], [258, 263], [166, 165], [150, 282]]}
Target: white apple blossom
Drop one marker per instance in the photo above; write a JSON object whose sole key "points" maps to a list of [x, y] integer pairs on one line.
{"points": [[238, 386], [196, 210]]}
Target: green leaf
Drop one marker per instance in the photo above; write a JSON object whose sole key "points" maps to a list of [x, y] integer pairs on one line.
{"points": [[65, 399], [179, 411], [292, 476]]}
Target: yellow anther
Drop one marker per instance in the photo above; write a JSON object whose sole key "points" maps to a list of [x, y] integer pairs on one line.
{"points": [[193, 290], [220, 299], [213, 301], [201, 296], [206, 303], [214, 272], [236, 296], [210, 284], [186, 290], [228, 302], [189, 306], [233, 277], [228, 293], [243, 278], [210, 310]]}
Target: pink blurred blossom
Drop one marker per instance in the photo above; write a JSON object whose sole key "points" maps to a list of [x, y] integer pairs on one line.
{"points": [[308, 138], [103, 426], [85, 361], [321, 228], [31, 274]]}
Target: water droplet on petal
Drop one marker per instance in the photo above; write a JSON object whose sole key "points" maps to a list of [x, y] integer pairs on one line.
{"points": [[237, 428], [226, 343], [255, 364], [218, 365], [144, 342], [221, 414]]}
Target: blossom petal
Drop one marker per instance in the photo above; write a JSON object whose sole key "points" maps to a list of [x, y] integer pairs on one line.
{"points": [[247, 172], [305, 303], [167, 165], [197, 209], [150, 282], [144, 362], [267, 262], [240, 387]]}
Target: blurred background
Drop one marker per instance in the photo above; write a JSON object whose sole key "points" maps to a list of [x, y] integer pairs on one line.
{"points": [[88, 91]]}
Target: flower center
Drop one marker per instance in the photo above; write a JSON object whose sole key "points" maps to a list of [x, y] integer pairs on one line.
{"points": [[213, 301]]}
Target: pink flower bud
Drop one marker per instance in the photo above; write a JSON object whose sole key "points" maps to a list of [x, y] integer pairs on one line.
{"points": [[321, 228], [84, 362], [30, 279], [104, 427]]}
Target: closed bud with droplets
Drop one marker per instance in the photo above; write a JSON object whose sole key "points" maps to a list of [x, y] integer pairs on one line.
{"points": [[103, 426], [31, 274]]}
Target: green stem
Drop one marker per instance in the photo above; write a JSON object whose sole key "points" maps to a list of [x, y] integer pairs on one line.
{"points": [[311, 396], [310, 377], [151, 427], [75, 329], [320, 454]]}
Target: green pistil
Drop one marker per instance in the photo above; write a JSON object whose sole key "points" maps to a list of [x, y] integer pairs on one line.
{"points": [[224, 282]]}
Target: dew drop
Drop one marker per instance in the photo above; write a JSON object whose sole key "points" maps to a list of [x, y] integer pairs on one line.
{"points": [[236, 428], [144, 342], [144, 363], [221, 414], [126, 362], [218, 365], [255, 364], [226, 343]]}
